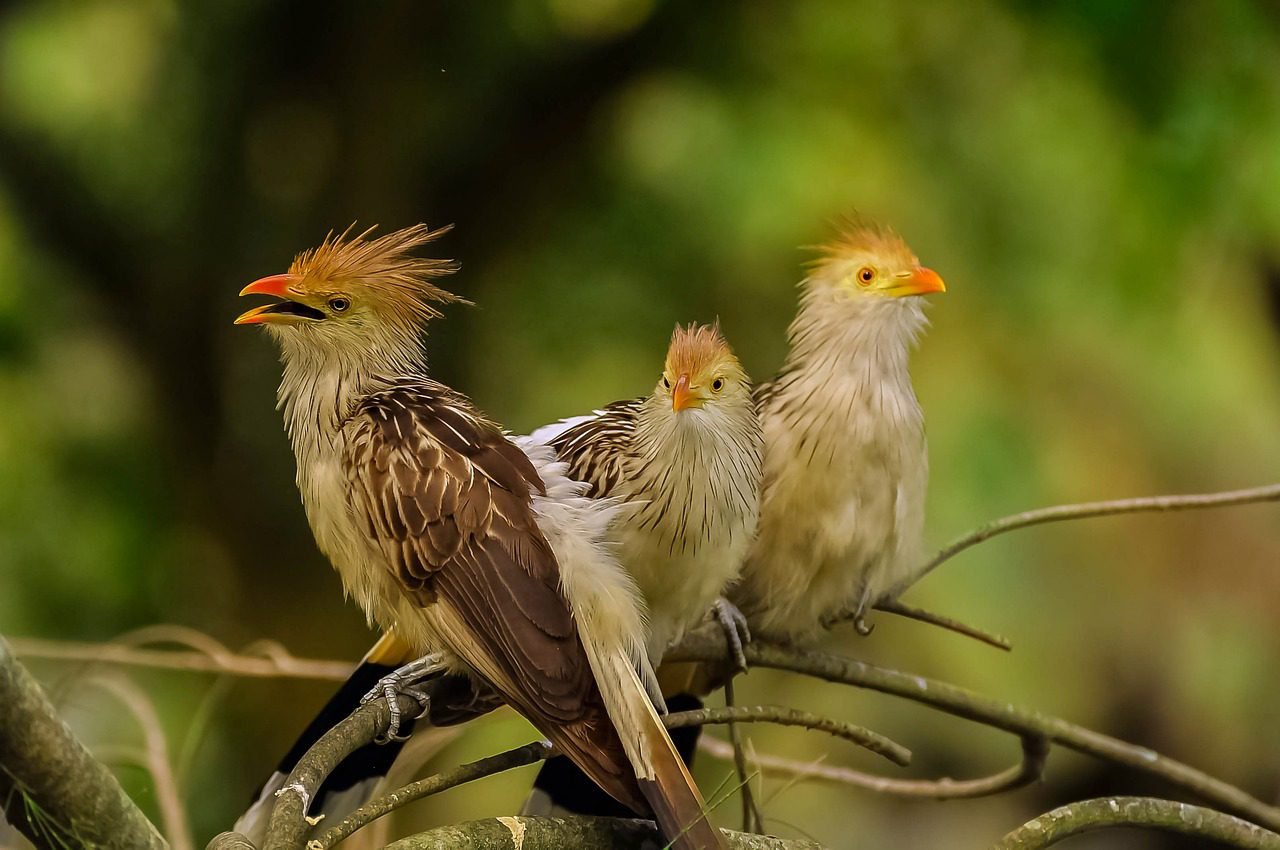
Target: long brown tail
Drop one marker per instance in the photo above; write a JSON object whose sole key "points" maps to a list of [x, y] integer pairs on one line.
{"points": [[664, 780], [677, 804]]}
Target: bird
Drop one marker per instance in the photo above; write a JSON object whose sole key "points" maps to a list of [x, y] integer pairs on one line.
{"points": [[845, 456], [685, 461], [476, 552]]}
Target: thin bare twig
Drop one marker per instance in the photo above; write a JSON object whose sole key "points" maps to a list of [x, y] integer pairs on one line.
{"points": [[1029, 769], [276, 665], [731, 714], [708, 645], [530, 753], [374, 809], [168, 798], [894, 606], [752, 817], [1086, 510], [1144, 812]]}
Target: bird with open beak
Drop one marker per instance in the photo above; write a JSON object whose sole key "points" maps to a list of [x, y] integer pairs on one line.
{"points": [[845, 458], [479, 553]]}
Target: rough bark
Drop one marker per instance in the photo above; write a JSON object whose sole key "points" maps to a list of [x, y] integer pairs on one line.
{"points": [[51, 788]]}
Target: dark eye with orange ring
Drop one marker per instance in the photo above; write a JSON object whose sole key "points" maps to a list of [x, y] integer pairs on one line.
{"points": [[717, 385], [339, 304], [866, 274]]}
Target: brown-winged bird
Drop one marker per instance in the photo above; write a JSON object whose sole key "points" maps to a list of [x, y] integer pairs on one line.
{"points": [[685, 461], [439, 525]]}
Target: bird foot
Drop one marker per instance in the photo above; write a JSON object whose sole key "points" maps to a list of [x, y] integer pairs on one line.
{"points": [[403, 682], [736, 630], [854, 616]]}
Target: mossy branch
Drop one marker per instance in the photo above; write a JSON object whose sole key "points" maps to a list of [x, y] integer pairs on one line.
{"points": [[1141, 812], [51, 788]]}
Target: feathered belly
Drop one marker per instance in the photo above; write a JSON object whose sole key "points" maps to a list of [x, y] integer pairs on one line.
{"points": [[681, 577], [828, 541]]}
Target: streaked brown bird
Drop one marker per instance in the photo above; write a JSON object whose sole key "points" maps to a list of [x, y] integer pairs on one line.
{"points": [[475, 551], [685, 461], [845, 459]]}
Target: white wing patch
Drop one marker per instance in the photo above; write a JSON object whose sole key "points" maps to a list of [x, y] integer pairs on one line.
{"points": [[547, 433]]}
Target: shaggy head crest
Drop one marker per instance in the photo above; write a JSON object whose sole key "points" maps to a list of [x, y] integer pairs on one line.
{"points": [[869, 260], [382, 267], [699, 349], [857, 237]]}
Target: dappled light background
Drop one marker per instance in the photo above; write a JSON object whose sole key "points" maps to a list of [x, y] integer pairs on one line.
{"points": [[1098, 183]]}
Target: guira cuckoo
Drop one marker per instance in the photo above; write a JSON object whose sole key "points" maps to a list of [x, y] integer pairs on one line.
{"points": [[684, 462], [474, 550], [845, 460]]}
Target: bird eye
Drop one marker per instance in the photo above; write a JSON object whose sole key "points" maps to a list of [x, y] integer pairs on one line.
{"points": [[339, 304], [866, 274], [666, 382], [717, 385]]}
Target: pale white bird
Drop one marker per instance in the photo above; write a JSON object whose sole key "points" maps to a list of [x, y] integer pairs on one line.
{"points": [[845, 459]]}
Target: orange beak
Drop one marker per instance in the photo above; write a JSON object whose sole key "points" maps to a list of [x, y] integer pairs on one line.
{"points": [[919, 281], [287, 311], [681, 398]]}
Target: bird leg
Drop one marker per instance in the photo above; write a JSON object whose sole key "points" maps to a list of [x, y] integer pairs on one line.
{"points": [[736, 631], [404, 681], [855, 615]]}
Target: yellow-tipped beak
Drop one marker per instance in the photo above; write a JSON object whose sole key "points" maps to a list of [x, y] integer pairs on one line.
{"points": [[919, 281], [287, 311], [681, 397]]}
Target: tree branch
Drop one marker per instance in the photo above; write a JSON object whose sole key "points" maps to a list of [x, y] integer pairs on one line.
{"points": [[1029, 769], [893, 606], [580, 833], [530, 753], [51, 788], [1144, 812], [289, 825], [1086, 510], [863, 737], [276, 663], [707, 644], [374, 809], [752, 816]]}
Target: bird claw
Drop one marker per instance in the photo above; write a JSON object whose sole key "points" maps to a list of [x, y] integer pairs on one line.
{"points": [[855, 615], [736, 630], [402, 682]]}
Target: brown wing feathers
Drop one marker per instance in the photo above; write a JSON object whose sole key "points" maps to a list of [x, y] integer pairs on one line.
{"points": [[596, 449], [447, 497]]}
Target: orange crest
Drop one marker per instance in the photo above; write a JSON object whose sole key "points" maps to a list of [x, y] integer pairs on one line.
{"points": [[696, 349]]}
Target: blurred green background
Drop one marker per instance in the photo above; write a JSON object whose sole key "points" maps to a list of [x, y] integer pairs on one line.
{"points": [[1098, 182]]}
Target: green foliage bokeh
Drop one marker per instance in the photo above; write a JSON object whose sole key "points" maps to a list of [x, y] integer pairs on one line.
{"points": [[1098, 182]]}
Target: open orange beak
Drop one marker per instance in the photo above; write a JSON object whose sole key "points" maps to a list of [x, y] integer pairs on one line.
{"points": [[288, 311], [681, 397], [919, 281]]}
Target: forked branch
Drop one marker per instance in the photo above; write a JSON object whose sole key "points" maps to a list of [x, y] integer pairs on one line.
{"points": [[707, 644], [1085, 510]]}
